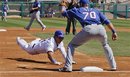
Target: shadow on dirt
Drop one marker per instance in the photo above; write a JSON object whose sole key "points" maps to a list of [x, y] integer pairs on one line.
{"points": [[27, 60], [34, 61], [45, 69]]}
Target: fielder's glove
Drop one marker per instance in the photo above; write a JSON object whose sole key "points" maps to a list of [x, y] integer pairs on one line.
{"points": [[58, 63], [64, 3], [114, 36], [31, 11]]}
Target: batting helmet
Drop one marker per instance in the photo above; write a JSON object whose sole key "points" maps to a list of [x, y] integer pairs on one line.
{"points": [[59, 33], [84, 1]]}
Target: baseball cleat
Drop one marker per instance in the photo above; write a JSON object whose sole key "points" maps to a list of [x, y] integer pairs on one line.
{"points": [[67, 33], [26, 28], [43, 28], [64, 70], [113, 69], [73, 62], [74, 32]]}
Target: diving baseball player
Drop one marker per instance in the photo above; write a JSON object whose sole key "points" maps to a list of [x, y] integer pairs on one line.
{"points": [[91, 21], [48, 46], [35, 13]]}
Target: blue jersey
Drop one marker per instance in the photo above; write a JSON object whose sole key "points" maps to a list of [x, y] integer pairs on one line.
{"points": [[36, 4], [87, 16], [5, 0], [4, 8]]}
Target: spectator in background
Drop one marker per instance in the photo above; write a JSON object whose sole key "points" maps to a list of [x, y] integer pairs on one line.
{"points": [[102, 2], [72, 20]]}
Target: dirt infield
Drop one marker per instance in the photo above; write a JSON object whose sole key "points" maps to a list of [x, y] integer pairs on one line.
{"points": [[14, 62]]}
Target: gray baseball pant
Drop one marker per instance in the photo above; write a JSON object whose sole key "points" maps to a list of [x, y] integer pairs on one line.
{"points": [[87, 33], [37, 16]]}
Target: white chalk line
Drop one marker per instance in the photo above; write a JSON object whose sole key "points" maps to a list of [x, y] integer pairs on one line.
{"points": [[57, 71]]}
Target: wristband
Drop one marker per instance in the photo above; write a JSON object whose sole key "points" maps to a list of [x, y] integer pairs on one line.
{"points": [[53, 61], [113, 31]]}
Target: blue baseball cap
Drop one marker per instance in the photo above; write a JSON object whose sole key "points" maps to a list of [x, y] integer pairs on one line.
{"points": [[84, 1], [59, 33]]}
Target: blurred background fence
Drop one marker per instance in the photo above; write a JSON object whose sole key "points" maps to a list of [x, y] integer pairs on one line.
{"points": [[22, 8], [51, 8]]}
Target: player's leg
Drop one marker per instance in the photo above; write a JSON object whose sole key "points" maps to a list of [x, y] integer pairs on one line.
{"points": [[79, 39], [25, 46], [39, 21], [2, 17], [74, 26], [5, 15], [68, 26], [31, 21], [107, 49]]}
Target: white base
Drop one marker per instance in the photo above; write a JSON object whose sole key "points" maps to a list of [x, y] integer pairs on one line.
{"points": [[91, 69], [3, 30]]}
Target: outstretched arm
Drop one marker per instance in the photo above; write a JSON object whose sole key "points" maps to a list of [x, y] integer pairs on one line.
{"points": [[63, 52], [63, 4], [50, 57]]}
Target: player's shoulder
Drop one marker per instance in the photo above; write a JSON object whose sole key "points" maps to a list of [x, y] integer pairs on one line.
{"points": [[94, 9], [51, 40], [73, 9]]}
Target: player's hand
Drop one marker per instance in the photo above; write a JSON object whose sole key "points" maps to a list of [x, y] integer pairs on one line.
{"points": [[114, 36], [32, 9], [73, 62], [58, 63]]}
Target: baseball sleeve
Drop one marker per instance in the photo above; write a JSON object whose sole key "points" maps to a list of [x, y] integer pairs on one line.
{"points": [[103, 19], [49, 47], [69, 13], [62, 50]]}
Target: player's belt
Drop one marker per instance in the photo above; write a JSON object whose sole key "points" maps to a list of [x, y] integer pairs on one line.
{"points": [[91, 24]]}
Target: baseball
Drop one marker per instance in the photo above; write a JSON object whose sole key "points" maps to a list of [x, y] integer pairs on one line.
{"points": [[91, 69]]}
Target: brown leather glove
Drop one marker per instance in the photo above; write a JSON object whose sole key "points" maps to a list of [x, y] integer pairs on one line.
{"points": [[64, 3], [31, 11]]}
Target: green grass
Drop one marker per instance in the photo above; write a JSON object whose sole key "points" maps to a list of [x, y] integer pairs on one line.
{"points": [[53, 22], [21, 22], [121, 47], [121, 22]]}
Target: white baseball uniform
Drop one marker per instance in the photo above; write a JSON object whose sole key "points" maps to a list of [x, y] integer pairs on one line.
{"points": [[41, 46]]}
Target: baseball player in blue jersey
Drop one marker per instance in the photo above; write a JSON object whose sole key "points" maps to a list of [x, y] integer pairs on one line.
{"points": [[91, 21], [5, 8], [35, 13], [49, 46], [6, 2]]}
